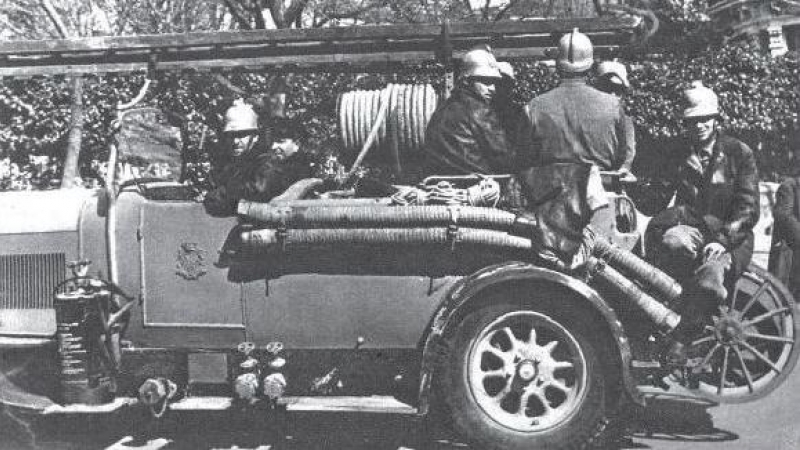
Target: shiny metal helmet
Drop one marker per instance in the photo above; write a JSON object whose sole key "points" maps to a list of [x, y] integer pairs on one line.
{"points": [[480, 62], [240, 117], [615, 72], [700, 100], [575, 53]]}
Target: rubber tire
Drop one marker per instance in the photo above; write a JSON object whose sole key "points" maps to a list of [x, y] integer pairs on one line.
{"points": [[468, 420]]}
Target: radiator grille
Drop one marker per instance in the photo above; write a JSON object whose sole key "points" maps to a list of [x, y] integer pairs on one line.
{"points": [[28, 281]]}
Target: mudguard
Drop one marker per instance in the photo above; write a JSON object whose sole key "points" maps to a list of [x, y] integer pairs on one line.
{"points": [[467, 290]]}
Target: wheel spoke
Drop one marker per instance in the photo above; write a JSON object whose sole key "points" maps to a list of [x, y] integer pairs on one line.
{"points": [[710, 354], [761, 289], [770, 337], [559, 385], [724, 372], [735, 296], [523, 402], [506, 357], [495, 373], [502, 394], [563, 365], [703, 340], [511, 338], [550, 346], [765, 316], [761, 356], [532, 336], [746, 371]]}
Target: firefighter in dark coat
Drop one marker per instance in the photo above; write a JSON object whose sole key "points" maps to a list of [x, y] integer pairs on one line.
{"points": [[706, 239], [252, 170], [465, 135], [784, 257], [576, 123]]}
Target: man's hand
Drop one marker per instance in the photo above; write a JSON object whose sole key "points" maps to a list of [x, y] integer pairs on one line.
{"points": [[684, 239], [625, 176], [713, 251]]}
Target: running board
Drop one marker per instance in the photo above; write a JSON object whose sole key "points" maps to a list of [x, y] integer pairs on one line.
{"points": [[368, 405]]}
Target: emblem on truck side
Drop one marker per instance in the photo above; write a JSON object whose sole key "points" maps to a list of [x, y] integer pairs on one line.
{"points": [[191, 261]]}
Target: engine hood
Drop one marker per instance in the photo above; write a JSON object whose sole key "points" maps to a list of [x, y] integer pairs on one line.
{"points": [[42, 211]]}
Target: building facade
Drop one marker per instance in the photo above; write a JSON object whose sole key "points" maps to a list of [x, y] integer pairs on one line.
{"points": [[774, 23]]}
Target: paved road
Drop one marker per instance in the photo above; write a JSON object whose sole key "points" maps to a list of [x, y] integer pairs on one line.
{"points": [[669, 423]]}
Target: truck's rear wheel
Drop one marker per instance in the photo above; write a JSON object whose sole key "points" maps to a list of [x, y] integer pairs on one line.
{"points": [[519, 378]]}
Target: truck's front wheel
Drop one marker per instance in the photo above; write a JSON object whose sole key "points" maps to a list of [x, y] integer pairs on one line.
{"points": [[519, 378]]}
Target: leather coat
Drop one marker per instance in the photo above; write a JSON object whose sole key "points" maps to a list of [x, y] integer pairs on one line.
{"points": [[257, 176], [465, 136], [722, 202], [786, 235]]}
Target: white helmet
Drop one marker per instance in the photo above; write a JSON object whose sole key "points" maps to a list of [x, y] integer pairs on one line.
{"points": [[575, 53], [240, 117], [700, 101], [480, 62], [506, 69], [615, 72]]}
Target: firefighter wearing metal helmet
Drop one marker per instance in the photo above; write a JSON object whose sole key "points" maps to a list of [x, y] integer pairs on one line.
{"points": [[575, 122], [574, 132], [706, 239], [612, 78], [247, 167], [464, 135]]}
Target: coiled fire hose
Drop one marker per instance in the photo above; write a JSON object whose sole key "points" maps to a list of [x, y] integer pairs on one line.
{"points": [[410, 108]]}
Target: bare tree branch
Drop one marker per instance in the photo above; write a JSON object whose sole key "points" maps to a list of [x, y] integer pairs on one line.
{"points": [[55, 18], [505, 9], [237, 15], [230, 86]]}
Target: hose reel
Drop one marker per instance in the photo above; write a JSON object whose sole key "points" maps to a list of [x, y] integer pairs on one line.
{"points": [[409, 111]]}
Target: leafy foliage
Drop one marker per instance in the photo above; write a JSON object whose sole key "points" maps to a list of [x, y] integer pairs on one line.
{"points": [[758, 95]]}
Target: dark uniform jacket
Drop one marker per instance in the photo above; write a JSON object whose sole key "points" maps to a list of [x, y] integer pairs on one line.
{"points": [[576, 123], [465, 136], [723, 202], [786, 237], [256, 176]]}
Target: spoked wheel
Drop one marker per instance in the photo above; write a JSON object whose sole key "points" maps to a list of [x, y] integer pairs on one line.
{"points": [[521, 378], [751, 346]]}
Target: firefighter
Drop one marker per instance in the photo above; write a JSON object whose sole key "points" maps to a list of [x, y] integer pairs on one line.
{"points": [[575, 122], [784, 256], [706, 239], [250, 169], [465, 135], [612, 78]]}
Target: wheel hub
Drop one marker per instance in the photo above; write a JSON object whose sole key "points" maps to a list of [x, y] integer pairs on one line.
{"points": [[729, 330], [527, 370]]}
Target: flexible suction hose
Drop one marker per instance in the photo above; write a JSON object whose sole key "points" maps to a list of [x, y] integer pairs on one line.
{"points": [[635, 267], [360, 217], [264, 239], [662, 316]]}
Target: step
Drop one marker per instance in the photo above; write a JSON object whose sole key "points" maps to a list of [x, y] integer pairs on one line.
{"points": [[369, 405]]}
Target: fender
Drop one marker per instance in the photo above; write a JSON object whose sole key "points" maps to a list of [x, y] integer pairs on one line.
{"points": [[468, 288]]}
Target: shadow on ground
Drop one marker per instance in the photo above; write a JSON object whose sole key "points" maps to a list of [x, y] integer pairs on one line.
{"points": [[667, 418], [672, 418]]}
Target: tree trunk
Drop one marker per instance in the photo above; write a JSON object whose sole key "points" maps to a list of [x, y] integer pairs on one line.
{"points": [[71, 176]]}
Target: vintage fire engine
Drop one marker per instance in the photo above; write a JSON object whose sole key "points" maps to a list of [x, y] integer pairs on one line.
{"points": [[131, 296]]}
